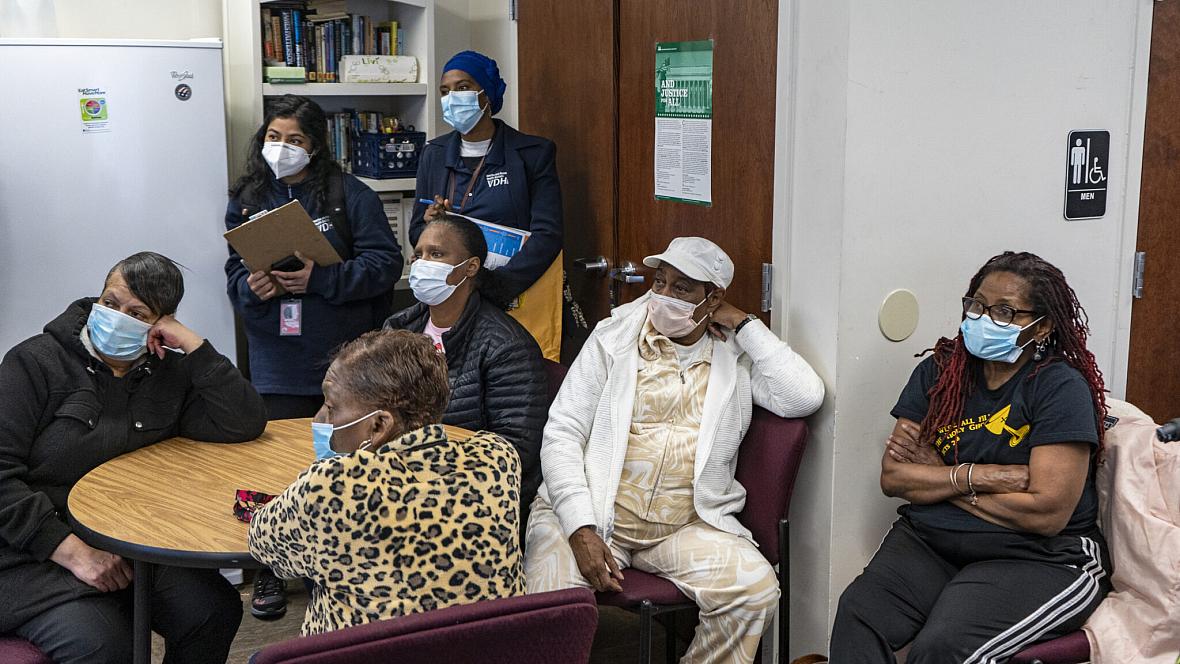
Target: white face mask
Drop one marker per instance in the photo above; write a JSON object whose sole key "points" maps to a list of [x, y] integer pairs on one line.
{"points": [[428, 280], [285, 159], [672, 317]]}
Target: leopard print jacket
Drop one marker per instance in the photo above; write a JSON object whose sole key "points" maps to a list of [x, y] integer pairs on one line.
{"points": [[421, 523]]}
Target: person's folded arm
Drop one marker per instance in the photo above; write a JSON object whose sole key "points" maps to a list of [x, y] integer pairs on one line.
{"points": [[28, 519], [571, 417], [1056, 478], [376, 262], [916, 473], [780, 379], [221, 405]]}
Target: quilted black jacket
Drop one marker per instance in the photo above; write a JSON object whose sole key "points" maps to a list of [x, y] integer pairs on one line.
{"points": [[497, 381]]}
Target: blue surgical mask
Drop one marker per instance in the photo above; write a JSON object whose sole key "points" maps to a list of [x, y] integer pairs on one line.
{"points": [[115, 334], [989, 341], [461, 110], [321, 436]]}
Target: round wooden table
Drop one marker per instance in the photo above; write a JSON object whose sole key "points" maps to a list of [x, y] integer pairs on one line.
{"points": [[172, 503]]}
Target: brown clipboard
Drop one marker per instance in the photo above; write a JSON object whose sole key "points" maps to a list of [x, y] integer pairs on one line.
{"points": [[277, 234]]}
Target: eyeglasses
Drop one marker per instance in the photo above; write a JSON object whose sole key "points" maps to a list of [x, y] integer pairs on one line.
{"points": [[1002, 314]]}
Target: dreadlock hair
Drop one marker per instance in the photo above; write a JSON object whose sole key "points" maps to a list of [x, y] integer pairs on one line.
{"points": [[1051, 297], [314, 125]]}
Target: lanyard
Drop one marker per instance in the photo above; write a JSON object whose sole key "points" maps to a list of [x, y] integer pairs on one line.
{"points": [[470, 185]]}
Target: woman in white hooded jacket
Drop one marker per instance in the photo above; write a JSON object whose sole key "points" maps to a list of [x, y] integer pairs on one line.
{"points": [[639, 466]]}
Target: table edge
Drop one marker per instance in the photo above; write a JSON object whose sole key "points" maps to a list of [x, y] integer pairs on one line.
{"points": [[162, 556]]}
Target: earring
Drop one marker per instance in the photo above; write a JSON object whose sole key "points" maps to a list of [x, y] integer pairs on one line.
{"points": [[1039, 353]]}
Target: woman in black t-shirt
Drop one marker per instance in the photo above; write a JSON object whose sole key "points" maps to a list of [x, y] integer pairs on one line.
{"points": [[994, 449]]}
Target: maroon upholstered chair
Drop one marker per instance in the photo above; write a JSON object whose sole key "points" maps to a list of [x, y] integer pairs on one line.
{"points": [[1070, 649], [547, 627], [554, 374], [768, 462], [15, 650]]}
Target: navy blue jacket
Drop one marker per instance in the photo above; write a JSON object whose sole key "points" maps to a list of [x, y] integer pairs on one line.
{"points": [[342, 301], [517, 187]]}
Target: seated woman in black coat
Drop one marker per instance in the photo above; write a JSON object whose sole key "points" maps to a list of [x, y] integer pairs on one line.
{"points": [[493, 364], [102, 381]]}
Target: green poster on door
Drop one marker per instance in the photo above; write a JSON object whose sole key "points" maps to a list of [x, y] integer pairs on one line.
{"points": [[684, 121]]}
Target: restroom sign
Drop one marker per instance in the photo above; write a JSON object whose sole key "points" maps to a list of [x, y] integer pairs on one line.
{"points": [[1087, 174]]}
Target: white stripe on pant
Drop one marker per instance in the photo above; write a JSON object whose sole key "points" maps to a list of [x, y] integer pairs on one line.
{"points": [[1064, 606]]}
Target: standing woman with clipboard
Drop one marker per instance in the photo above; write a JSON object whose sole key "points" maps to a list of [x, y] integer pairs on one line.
{"points": [[292, 330], [487, 170]]}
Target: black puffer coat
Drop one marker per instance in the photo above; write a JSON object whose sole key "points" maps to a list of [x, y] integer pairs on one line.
{"points": [[497, 381]]}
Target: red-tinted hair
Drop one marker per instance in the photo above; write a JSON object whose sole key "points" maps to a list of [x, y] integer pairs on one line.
{"points": [[1051, 297]]}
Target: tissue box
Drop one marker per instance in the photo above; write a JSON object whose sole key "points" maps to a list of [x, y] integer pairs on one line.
{"points": [[379, 69]]}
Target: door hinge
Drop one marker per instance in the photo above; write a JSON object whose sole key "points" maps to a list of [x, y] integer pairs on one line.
{"points": [[513, 11], [1137, 280], [767, 276]]}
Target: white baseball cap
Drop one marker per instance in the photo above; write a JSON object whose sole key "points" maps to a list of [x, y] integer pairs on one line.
{"points": [[698, 259]]}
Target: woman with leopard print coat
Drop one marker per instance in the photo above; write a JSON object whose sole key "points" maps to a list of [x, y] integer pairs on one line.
{"points": [[397, 515]]}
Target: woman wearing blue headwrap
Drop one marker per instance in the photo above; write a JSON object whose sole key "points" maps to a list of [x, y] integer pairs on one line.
{"points": [[487, 170]]}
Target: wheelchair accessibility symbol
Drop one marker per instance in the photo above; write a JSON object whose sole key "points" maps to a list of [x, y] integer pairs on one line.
{"points": [[183, 92]]}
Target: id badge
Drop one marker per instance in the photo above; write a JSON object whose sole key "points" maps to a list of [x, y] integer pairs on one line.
{"points": [[291, 318]]}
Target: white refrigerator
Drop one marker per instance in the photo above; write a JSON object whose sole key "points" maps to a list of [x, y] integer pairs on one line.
{"points": [[107, 148]]}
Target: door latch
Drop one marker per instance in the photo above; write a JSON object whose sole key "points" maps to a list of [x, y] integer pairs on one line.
{"points": [[1137, 280]]}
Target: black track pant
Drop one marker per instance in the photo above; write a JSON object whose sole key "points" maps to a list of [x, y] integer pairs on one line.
{"points": [[967, 598]]}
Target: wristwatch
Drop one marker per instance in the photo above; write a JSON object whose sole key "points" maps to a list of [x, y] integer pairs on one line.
{"points": [[747, 319]]}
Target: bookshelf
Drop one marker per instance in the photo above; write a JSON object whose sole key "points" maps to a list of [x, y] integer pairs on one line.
{"points": [[415, 104], [344, 89]]}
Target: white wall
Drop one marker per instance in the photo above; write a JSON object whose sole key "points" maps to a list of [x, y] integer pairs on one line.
{"points": [[919, 138], [479, 25], [112, 19]]}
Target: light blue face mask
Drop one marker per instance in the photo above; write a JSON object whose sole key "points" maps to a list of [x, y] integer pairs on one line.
{"points": [[115, 334], [321, 436], [461, 110], [988, 341]]}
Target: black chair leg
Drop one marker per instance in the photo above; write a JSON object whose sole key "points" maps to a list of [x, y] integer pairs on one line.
{"points": [[670, 638], [646, 615], [784, 587]]}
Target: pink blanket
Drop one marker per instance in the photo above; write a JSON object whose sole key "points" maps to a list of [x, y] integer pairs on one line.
{"points": [[1139, 495]]}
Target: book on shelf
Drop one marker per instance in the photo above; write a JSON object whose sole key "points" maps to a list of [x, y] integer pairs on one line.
{"points": [[316, 35]]}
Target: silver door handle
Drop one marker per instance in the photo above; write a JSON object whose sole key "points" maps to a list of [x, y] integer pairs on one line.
{"points": [[594, 266], [627, 273]]}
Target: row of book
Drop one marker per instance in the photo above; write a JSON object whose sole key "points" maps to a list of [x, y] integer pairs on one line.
{"points": [[344, 125], [315, 36]]}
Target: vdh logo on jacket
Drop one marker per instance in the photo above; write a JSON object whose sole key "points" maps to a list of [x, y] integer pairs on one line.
{"points": [[323, 223], [497, 179]]}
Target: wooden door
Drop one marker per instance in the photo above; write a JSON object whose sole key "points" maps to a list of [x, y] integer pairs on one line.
{"points": [[1153, 374], [744, 38], [567, 94], [587, 81]]}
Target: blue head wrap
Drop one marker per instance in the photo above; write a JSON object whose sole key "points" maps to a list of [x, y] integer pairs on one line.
{"points": [[485, 72]]}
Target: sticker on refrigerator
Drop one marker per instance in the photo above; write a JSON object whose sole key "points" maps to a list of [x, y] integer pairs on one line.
{"points": [[92, 103]]}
